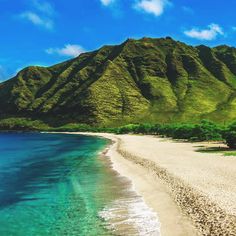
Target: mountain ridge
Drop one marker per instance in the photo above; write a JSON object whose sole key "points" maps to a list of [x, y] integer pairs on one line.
{"points": [[146, 80]]}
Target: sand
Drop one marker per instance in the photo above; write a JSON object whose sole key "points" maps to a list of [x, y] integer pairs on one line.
{"points": [[193, 193]]}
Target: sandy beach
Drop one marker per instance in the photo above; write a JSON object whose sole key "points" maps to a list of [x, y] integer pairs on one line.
{"points": [[193, 193]]}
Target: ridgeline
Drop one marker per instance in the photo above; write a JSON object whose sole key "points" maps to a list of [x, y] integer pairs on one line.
{"points": [[147, 80]]}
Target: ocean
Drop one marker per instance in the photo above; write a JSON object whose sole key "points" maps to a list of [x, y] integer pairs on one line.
{"points": [[62, 184]]}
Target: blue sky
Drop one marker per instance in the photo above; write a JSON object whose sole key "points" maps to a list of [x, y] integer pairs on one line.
{"points": [[44, 32]]}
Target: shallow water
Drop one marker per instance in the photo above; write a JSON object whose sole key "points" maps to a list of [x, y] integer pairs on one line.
{"points": [[56, 184]]}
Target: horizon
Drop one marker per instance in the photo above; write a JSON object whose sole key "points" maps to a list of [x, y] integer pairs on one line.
{"points": [[46, 32]]}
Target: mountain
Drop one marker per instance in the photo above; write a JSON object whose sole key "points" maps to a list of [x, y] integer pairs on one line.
{"points": [[151, 80]]}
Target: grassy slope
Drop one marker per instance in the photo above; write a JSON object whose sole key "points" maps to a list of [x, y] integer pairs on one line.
{"points": [[151, 80]]}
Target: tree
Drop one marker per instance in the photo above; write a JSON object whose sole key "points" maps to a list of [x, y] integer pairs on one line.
{"points": [[230, 138], [230, 135]]}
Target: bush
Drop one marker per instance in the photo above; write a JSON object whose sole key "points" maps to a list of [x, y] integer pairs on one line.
{"points": [[131, 128], [73, 128], [230, 135], [22, 124], [230, 138], [207, 130], [185, 131]]}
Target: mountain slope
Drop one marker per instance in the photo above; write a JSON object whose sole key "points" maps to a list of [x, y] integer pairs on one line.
{"points": [[154, 80]]}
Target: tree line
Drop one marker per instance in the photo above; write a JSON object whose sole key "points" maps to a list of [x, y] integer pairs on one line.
{"points": [[204, 131]]}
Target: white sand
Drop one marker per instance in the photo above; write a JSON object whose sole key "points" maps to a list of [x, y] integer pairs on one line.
{"points": [[192, 192]]}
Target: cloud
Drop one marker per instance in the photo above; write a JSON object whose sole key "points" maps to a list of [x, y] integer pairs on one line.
{"points": [[37, 20], [155, 7], [40, 14], [106, 2], [44, 7], [234, 28], [212, 31], [71, 50]]}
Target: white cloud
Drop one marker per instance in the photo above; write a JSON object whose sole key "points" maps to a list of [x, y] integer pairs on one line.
{"points": [[212, 31], [106, 2], [37, 20], [44, 7], [40, 14], [155, 7], [71, 50]]}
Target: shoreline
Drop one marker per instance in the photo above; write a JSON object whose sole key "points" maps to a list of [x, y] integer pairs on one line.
{"points": [[154, 193], [168, 214], [189, 195]]}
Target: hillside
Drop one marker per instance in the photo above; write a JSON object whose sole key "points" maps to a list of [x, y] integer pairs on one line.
{"points": [[151, 80]]}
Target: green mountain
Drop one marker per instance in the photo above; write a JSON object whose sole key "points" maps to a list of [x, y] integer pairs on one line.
{"points": [[151, 80]]}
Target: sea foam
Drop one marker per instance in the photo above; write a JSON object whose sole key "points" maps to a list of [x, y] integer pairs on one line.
{"points": [[131, 215]]}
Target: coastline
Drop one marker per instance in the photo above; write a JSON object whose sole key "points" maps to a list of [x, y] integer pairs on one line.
{"points": [[191, 196], [154, 192]]}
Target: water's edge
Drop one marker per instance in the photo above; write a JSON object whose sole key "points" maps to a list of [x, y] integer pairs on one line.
{"points": [[130, 214]]}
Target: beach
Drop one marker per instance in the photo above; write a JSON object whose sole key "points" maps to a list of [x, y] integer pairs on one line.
{"points": [[193, 193]]}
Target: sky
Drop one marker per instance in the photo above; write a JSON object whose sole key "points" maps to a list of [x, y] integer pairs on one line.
{"points": [[45, 32]]}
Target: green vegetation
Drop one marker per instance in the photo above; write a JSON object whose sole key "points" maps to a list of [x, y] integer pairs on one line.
{"points": [[226, 151], [146, 80], [230, 135], [232, 153], [22, 124], [147, 86], [204, 131]]}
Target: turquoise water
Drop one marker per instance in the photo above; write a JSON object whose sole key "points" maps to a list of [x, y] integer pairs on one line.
{"points": [[56, 184]]}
